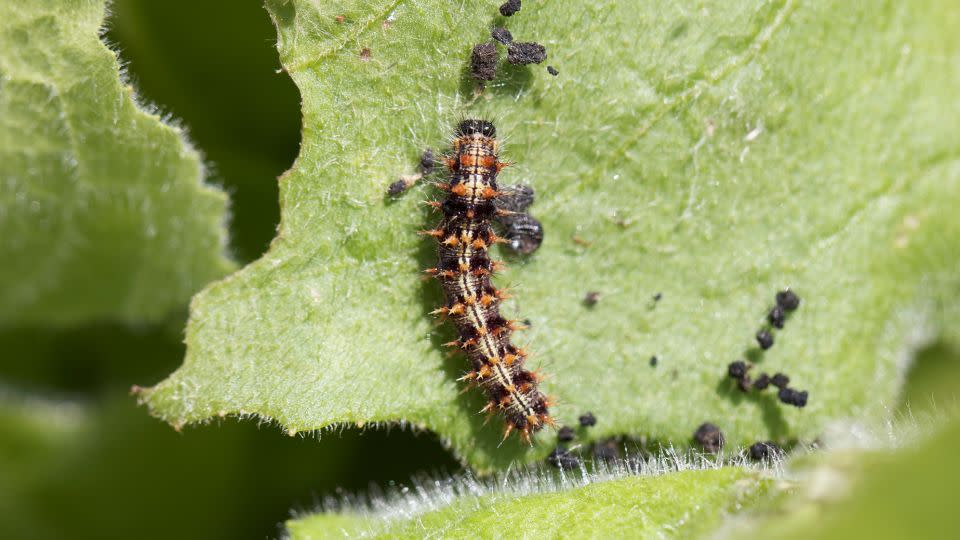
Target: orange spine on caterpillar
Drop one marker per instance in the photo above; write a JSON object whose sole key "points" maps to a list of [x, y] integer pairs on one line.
{"points": [[464, 269]]}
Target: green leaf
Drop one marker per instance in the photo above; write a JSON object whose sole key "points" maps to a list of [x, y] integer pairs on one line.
{"points": [[875, 493], [680, 504], [103, 208], [715, 155], [65, 462]]}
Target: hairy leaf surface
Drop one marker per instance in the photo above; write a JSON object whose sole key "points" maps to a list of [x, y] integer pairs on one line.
{"points": [[678, 505], [714, 154]]}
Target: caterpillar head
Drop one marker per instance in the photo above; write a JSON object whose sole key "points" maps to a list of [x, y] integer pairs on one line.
{"points": [[476, 127]]}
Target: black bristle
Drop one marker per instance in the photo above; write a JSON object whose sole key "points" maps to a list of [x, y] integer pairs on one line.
{"points": [[588, 420]]}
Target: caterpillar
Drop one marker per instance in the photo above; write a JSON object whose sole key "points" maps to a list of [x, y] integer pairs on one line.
{"points": [[464, 269]]}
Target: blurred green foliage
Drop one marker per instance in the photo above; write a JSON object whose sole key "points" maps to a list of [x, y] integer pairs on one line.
{"points": [[103, 208], [933, 382], [78, 460], [216, 68], [908, 494], [874, 494]]}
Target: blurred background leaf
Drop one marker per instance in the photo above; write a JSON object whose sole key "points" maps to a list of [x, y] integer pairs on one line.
{"points": [[879, 495], [870, 492], [103, 209], [216, 67], [78, 459], [96, 469]]}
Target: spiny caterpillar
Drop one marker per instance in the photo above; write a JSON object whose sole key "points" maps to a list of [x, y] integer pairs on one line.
{"points": [[464, 269]]}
